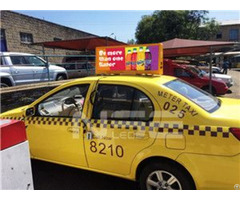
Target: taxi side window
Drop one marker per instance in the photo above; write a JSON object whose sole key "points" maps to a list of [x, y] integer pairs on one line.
{"points": [[68, 102], [142, 107], [119, 102]]}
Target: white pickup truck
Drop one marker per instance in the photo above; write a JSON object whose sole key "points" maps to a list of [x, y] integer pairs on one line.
{"points": [[22, 68]]}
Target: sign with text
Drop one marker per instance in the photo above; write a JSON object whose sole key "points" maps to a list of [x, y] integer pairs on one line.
{"points": [[130, 59]]}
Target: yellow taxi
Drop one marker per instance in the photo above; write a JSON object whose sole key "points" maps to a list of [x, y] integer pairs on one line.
{"points": [[156, 130]]}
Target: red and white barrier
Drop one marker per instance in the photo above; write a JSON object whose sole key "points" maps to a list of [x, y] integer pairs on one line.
{"points": [[15, 165]]}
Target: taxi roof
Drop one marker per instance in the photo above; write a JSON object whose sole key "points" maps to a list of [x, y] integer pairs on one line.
{"points": [[160, 79]]}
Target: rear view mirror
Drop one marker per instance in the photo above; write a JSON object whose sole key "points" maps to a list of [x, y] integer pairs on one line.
{"points": [[69, 101]]}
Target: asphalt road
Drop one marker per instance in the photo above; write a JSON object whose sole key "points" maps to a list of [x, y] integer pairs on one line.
{"points": [[48, 176]]}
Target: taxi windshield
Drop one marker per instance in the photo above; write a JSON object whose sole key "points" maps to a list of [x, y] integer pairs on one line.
{"points": [[198, 96]]}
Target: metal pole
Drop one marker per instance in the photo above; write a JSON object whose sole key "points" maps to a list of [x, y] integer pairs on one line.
{"points": [[46, 59], [48, 68], [43, 52], [210, 71], [87, 66]]}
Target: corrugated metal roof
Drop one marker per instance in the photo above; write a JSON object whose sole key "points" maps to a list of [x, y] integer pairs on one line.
{"points": [[181, 47], [184, 43], [82, 44]]}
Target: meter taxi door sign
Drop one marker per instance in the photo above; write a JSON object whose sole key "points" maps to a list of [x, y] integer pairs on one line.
{"points": [[130, 59]]}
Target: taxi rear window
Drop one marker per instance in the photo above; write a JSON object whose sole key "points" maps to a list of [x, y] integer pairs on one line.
{"points": [[196, 95]]}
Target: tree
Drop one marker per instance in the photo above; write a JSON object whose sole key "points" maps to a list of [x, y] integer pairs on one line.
{"points": [[132, 41], [166, 25]]}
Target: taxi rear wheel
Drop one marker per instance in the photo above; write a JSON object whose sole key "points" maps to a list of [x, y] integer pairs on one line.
{"points": [[164, 176]]}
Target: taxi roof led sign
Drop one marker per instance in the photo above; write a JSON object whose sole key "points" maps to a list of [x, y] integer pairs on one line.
{"points": [[130, 59]]}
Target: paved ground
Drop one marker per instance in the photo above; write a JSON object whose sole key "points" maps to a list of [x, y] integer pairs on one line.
{"points": [[48, 176], [236, 87]]}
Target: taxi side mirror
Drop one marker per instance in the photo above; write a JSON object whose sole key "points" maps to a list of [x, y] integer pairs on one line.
{"points": [[30, 111]]}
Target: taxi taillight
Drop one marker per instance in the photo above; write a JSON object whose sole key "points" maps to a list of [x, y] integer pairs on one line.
{"points": [[235, 132]]}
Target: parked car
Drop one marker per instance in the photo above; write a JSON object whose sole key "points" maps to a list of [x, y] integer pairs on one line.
{"points": [[215, 70], [223, 77], [79, 66], [202, 65], [181, 71], [23, 68]]}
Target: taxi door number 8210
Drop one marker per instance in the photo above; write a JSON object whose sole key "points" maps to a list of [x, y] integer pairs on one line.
{"points": [[103, 149]]}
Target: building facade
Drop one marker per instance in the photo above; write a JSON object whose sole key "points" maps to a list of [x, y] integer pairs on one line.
{"points": [[19, 31], [229, 31]]}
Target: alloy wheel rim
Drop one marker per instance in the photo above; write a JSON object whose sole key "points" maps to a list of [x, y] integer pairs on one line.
{"points": [[60, 78], [3, 86], [162, 180]]}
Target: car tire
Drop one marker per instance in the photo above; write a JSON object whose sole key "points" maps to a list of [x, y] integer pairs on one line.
{"points": [[206, 89], [4, 85], [164, 176], [61, 77]]}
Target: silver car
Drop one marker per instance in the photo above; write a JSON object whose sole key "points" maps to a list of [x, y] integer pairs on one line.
{"points": [[79, 66], [22, 68]]}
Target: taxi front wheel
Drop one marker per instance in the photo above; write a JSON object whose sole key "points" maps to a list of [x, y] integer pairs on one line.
{"points": [[164, 176]]}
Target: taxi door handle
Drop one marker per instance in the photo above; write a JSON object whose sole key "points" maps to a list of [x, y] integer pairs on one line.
{"points": [[89, 135]]}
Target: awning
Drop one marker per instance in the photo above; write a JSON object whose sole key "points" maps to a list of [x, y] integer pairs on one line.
{"points": [[82, 44], [184, 47]]}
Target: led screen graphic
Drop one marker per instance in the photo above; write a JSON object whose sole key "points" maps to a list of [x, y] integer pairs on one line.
{"points": [[130, 59]]}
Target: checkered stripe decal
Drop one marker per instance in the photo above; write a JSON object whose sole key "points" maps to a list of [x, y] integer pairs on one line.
{"points": [[49, 121], [194, 130], [162, 127], [13, 118], [54, 121]]}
